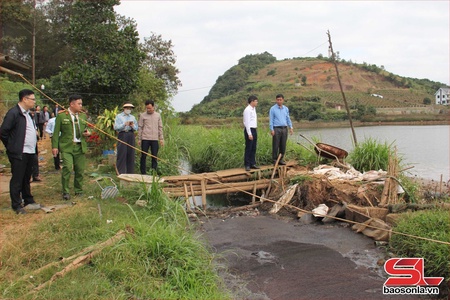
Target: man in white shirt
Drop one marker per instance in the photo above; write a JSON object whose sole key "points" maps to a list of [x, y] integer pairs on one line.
{"points": [[250, 134]]}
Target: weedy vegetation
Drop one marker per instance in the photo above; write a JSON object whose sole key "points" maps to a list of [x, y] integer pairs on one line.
{"points": [[161, 257]]}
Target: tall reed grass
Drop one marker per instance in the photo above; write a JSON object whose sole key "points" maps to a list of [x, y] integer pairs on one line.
{"points": [[219, 148], [371, 155]]}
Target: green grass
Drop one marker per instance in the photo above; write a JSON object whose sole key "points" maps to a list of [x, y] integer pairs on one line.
{"points": [[370, 155], [220, 148], [162, 258], [432, 224]]}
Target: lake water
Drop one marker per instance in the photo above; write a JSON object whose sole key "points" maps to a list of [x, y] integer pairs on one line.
{"points": [[427, 148]]}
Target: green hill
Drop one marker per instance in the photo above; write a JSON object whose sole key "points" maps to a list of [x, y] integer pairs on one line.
{"points": [[310, 85]]}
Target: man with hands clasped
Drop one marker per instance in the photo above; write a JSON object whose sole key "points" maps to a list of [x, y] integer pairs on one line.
{"points": [[126, 124]]}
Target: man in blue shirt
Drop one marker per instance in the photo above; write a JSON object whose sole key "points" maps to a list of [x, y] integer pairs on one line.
{"points": [[279, 121], [126, 125]]}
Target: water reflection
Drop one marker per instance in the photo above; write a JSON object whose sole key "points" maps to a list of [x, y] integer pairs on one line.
{"points": [[424, 147]]}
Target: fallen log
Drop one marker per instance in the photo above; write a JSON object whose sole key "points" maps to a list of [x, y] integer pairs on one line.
{"points": [[78, 259]]}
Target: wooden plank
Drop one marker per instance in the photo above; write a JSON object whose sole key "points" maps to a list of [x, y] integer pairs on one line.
{"points": [[235, 185], [217, 191]]}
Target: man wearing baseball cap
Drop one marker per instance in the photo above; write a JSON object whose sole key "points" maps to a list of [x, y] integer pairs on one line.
{"points": [[126, 124]]}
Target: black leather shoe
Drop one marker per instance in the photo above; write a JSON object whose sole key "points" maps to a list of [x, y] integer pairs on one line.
{"points": [[247, 168], [254, 167], [66, 196], [282, 163], [21, 211]]}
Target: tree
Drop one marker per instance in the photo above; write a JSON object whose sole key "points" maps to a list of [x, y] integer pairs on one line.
{"points": [[107, 58], [160, 59], [426, 101], [150, 87], [42, 25]]}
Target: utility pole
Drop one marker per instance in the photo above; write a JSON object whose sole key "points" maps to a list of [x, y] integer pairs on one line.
{"points": [[33, 47], [333, 58]]}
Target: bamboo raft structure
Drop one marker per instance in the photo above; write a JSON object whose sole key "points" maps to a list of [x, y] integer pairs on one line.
{"points": [[223, 182]]}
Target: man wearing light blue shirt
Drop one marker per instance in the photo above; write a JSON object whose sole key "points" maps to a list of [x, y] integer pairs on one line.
{"points": [[126, 125], [279, 122]]}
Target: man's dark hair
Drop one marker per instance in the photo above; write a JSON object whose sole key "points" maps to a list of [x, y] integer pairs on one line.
{"points": [[74, 97], [252, 98], [24, 93], [279, 96], [147, 102]]}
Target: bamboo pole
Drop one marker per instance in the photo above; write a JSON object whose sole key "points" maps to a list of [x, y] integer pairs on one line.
{"points": [[236, 186], [254, 193], [203, 185], [225, 190], [186, 195], [273, 174], [192, 193], [333, 58], [79, 259]]}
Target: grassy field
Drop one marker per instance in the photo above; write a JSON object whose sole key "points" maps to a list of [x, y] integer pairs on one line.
{"points": [[161, 255]]}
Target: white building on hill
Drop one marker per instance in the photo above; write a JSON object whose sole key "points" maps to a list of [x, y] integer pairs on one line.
{"points": [[442, 96]]}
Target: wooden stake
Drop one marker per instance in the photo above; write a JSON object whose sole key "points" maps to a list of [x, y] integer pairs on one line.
{"points": [[186, 195], [254, 193], [192, 194], [273, 174], [203, 184]]}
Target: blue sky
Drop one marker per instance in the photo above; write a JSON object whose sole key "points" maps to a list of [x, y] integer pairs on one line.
{"points": [[409, 38]]}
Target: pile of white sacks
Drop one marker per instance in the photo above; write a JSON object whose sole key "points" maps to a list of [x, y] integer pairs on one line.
{"points": [[351, 174]]}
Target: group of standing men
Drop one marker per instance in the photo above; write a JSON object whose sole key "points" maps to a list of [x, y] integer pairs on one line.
{"points": [[279, 123], [150, 136], [18, 134], [68, 132]]}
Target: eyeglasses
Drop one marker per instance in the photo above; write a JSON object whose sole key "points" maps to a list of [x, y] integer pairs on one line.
{"points": [[32, 99]]}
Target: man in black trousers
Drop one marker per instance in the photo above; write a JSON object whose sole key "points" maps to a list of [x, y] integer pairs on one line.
{"points": [[250, 134], [18, 134]]}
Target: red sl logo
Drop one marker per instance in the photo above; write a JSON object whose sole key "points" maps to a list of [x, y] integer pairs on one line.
{"points": [[408, 272]]}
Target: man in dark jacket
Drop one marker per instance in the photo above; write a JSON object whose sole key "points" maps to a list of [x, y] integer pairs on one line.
{"points": [[19, 136]]}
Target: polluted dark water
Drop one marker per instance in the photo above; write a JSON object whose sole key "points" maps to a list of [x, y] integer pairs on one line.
{"points": [[221, 200]]}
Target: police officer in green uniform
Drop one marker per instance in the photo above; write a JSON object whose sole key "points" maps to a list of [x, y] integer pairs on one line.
{"points": [[69, 136]]}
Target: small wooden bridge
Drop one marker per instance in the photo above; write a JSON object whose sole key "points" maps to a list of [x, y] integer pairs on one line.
{"points": [[224, 181]]}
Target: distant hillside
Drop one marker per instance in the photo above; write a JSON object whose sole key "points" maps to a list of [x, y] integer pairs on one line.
{"points": [[311, 83]]}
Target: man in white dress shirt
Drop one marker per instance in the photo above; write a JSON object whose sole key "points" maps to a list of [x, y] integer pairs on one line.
{"points": [[250, 134]]}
